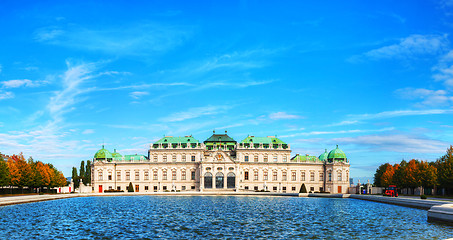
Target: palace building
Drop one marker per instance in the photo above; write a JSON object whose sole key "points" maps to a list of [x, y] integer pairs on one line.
{"points": [[221, 164]]}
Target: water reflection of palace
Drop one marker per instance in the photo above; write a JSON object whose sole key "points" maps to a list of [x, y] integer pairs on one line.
{"points": [[221, 164]]}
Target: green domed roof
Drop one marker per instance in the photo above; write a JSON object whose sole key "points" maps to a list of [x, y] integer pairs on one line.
{"points": [[103, 154], [116, 154], [323, 156], [336, 155]]}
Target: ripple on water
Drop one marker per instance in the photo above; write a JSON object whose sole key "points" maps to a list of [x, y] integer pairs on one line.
{"points": [[151, 217]]}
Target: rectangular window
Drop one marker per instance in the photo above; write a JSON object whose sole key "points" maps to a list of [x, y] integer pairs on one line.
{"points": [[339, 176], [164, 158], [155, 175], [255, 174], [183, 175], [330, 177], [118, 188], [284, 176], [312, 189], [110, 187], [293, 176], [183, 158], [164, 175], [193, 158], [174, 158], [274, 188], [128, 176], [110, 176], [183, 188], [256, 158], [255, 188], [265, 158], [146, 176], [293, 189], [265, 175], [164, 188], [285, 158], [274, 176], [246, 175], [146, 188], [275, 159], [302, 176], [312, 176], [192, 187], [246, 158], [100, 176], [118, 175], [284, 189], [155, 158], [155, 188], [137, 175], [321, 176], [192, 175], [173, 175]]}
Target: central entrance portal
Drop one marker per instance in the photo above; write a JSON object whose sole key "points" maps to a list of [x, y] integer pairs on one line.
{"points": [[208, 180], [219, 180], [231, 180]]}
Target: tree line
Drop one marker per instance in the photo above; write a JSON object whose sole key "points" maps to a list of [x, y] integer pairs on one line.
{"points": [[21, 173], [415, 173], [84, 174]]}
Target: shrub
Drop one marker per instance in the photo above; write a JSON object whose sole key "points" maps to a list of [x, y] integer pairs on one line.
{"points": [[130, 188], [303, 189], [423, 196], [113, 190]]}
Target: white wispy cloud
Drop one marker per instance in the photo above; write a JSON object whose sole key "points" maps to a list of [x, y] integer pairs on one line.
{"points": [[396, 143], [6, 95], [399, 113], [88, 131], [22, 83], [410, 46], [195, 113], [137, 39], [283, 115], [138, 94], [314, 133], [428, 97]]}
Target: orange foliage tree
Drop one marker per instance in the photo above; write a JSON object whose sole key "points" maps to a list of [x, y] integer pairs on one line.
{"points": [[387, 176]]}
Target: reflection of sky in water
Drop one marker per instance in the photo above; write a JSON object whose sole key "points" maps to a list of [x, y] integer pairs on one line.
{"points": [[216, 217]]}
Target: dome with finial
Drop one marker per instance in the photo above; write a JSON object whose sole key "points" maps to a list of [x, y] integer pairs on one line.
{"points": [[337, 155], [103, 154], [323, 156], [116, 154]]}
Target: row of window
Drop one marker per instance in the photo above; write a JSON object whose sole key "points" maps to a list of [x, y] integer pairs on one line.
{"points": [[265, 176], [174, 158], [265, 158], [146, 176], [155, 188], [275, 189]]}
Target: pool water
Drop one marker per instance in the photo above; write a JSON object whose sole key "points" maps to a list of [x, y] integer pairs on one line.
{"points": [[151, 217]]}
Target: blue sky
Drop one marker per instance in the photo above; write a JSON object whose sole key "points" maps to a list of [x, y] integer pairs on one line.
{"points": [[374, 78]]}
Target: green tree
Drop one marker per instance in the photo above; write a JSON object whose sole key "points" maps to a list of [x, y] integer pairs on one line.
{"points": [[75, 177], [445, 170], [87, 178], [427, 173], [378, 175], [398, 176], [5, 177], [303, 188], [82, 171], [130, 188]]}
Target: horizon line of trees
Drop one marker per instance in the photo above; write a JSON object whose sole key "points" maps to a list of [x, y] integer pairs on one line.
{"points": [[415, 173], [21, 173], [84, 174]]}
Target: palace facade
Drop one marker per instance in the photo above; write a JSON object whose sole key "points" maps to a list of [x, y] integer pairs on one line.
{"points": [[221, 164]]}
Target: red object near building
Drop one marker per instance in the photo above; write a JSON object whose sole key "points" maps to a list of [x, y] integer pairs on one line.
{"points": [[392, 191]]}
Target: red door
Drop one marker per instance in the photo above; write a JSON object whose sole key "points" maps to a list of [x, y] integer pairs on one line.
{"points": [[100, 188], [339, 189]]}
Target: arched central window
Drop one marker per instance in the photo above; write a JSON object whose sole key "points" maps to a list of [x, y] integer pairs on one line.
{"points": [[208, 180], [231, 180], [219, 180]]}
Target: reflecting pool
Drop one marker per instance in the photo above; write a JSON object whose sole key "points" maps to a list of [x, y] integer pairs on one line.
{"points": [[150, 217]]}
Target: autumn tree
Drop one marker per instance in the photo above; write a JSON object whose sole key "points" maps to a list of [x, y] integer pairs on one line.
{"points": [[5, 177], [19, 170], [399, 175], [427, 174], [387, 176]]}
